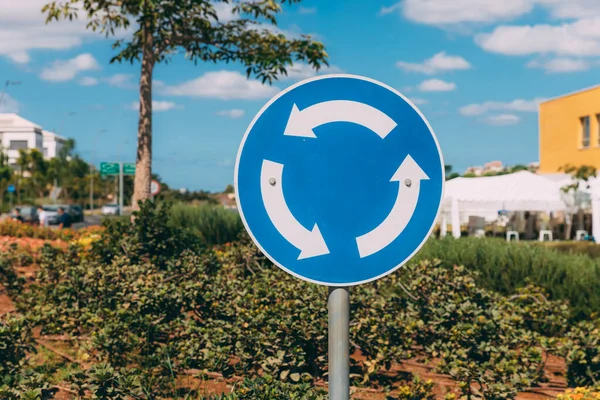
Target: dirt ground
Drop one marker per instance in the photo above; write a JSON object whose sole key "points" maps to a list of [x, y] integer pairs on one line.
{"points": [[555, 369]]}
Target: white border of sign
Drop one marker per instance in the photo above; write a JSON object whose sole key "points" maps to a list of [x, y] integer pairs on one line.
{"points": [[157, 185], [259, 114]]}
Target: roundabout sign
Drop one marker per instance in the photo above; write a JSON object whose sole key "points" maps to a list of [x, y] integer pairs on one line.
{"points": [[339, 180]]}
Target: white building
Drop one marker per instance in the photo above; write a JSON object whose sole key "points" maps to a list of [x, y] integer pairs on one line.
{"points": [[17, 133], [52, 144]]}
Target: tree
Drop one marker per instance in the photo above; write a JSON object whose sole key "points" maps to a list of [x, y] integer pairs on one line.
{"points": [[519, 167], [160, 28], [6, 174], [448, 172], [579, 175], [229, 189]]}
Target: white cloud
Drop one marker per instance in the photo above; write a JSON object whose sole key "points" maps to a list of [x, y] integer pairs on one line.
{"points": [[572, 8], [20, 57], [224, 12], [301, 71], [561, 65], [436, 85], [123, 81], [445, 13], [66, 70], [448, 12], [502, 119], [515, 105], [234, 113], [23, 28], [440, 62], [157, 105], [307, 10], [88, 81], [224, 85], [9, 104], [579, 38], [418, 101]]}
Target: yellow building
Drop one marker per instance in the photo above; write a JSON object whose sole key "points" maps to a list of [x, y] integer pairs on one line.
{"points": [[569, 130]]}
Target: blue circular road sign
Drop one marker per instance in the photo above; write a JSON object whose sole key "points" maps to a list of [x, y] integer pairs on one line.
{"points": [[11, 188], [339, 180]]}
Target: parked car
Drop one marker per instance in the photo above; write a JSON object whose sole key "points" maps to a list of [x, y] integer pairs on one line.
{"points": [[76, 212], [29, 214], [110, 209], [51, 213]]}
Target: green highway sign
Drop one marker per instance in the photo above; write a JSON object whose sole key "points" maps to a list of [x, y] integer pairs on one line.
{"points": [[107, 168], [112, 168], [129, 169]]}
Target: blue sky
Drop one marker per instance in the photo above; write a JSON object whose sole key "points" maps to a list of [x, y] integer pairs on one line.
{"points": [[475, 68]]}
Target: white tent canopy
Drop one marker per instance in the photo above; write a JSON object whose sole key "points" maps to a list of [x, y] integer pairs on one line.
{"points": [[485, 196], [591, 188]]}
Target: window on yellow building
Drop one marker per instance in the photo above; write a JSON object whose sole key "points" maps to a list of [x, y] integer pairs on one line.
{"points": [[585, 131]]}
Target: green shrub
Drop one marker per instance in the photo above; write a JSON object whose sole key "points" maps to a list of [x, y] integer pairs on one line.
{"points": [[417, 390], [582, 353], [27, 385], [103, 381], [504, 267], [8, 277], [213, 223], [581, 393], [151, 238], [468, 328], [149, 296], [15, 343], [269, 388], [532, 310], [575, 247]]}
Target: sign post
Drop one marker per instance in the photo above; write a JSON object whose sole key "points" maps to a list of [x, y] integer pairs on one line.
{"points": [[11, 190], [339, 182], [120, 169], [338, 306]]}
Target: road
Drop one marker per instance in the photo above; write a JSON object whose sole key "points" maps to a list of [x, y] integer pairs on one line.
{"points": [[90, 220]]}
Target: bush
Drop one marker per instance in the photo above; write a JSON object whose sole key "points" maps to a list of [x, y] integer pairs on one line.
{"points": [[269, 388], [580, 393], [15, 343], [582, 353], [419, 390], [9, 279], [572, 247], [213, 223], [504, 267], [103, 381], [28, 385], [22, 230], [151, 238], [151, 303], [468, 328]]}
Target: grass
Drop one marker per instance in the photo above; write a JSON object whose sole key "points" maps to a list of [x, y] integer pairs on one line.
{"points": [[573, 247], [213, 223], [504, 267]]}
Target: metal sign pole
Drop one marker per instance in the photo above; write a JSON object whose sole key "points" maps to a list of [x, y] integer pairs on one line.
{"points": [[338, 305], [11, 200], [121, 188]]}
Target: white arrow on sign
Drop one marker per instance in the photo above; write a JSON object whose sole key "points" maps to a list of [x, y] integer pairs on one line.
{"points": [[409, 176], [309, 242], [302, 123]]}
